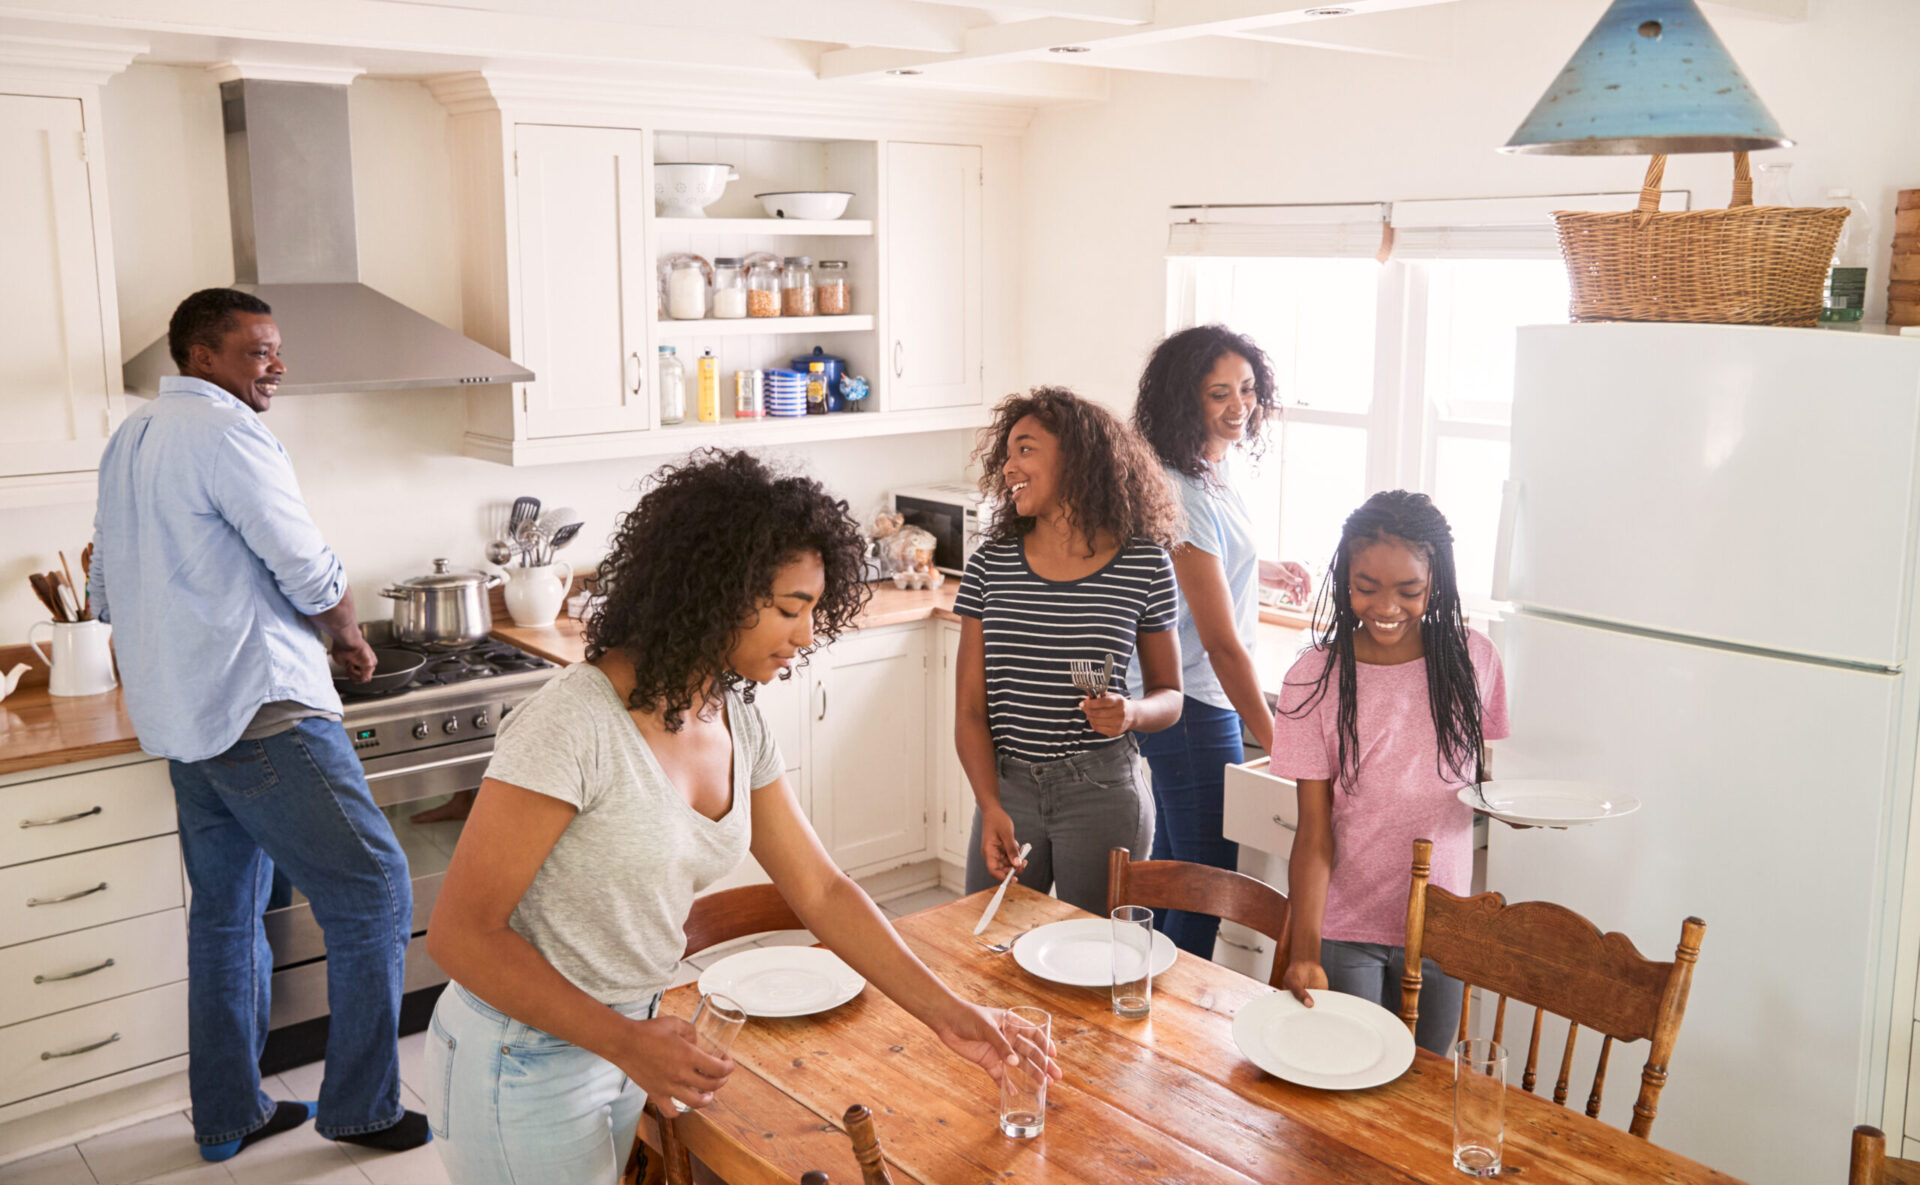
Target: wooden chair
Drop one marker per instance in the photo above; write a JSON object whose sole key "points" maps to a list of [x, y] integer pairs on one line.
{"points": [[1550, 957], [1871, 1164], [1198, 888]]}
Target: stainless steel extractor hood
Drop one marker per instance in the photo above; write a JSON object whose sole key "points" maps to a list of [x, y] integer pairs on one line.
{"points": [[290, 189]]}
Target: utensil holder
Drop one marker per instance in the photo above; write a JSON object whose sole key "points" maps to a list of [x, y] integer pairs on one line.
{"points": [[80, 662]]}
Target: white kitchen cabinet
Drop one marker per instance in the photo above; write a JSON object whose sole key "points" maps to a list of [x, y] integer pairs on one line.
{"points": [[584, 278], [1259, 809], [868, 757], [59, 328], [952, 794], [933, 275]]}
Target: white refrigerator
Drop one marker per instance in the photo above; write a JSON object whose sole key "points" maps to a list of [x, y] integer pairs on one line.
{"points": [[1709, 546]]}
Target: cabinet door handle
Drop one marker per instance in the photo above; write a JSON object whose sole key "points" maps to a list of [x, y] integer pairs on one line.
{"points": [[62, 819], [823, 703], [47, 1057], [896, 358], [1283, 822], [99, 888], [73, 974], [639, 372]]}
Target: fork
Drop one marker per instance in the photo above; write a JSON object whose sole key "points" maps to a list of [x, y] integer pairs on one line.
{"points": [[1089, 676], [1001, 948]]}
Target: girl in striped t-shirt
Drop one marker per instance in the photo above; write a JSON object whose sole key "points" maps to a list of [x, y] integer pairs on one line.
{"points": [[1075, 568]]}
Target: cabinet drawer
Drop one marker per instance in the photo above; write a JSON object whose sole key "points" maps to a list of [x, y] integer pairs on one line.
{"points": [[139, 878], [72, 970], [92, 1042], [54, 816], [1261, 810]]}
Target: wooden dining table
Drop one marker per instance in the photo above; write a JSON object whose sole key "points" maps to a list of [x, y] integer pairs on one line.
{"points": [[1167, 1098]]}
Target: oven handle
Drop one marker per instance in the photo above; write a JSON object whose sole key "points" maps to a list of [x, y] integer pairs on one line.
{"points": [[469, 759]]}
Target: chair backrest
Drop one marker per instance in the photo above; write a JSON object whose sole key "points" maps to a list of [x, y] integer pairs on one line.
{"points": [[735, 913], [1871, 1164], [739, 1165], [1199, 888], [1550, 957]]}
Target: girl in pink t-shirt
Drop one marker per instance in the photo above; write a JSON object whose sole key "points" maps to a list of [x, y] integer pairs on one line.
{"points": [[1380, 724]]}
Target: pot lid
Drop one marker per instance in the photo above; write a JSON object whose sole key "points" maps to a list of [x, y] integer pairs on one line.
{"points": [[442, 578]]}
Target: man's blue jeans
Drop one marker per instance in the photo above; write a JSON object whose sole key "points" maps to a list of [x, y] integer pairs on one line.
{"points": [[297, 799], [1189, 763]]}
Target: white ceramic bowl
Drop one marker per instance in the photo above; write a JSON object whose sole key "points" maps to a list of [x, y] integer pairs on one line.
{"points": [[821, 204], [685, 191]]}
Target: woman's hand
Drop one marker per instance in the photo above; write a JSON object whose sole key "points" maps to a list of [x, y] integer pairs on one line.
{"points": [[662, 1059], [974, 1033], [998, 847], [1288, 577], [1109, 715], [1301, 975]]}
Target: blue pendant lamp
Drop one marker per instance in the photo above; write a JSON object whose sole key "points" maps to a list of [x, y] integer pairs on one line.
{"points": [[1652, 78]]}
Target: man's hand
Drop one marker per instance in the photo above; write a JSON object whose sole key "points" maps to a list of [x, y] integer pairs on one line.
{"points": [[1288, 577], [354, 656]]}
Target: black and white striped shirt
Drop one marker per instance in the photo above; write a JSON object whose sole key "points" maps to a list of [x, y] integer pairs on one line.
{"points": [[1034, 627]]}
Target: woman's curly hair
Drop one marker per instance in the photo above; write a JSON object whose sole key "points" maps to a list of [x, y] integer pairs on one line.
{"points": [[1168, 413], [1109, 479], [693, 564]]}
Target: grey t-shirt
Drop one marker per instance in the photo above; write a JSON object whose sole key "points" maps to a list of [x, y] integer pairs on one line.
{"points": [[608, 906]]}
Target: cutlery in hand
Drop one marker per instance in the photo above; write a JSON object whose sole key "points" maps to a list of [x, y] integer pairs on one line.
{"points": [[993, 906], [1106, 678]]}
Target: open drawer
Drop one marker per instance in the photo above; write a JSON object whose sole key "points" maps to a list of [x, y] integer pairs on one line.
{"points": [[1262, 810]]}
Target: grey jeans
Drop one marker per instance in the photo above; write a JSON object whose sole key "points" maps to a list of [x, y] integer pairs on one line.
{"points": [[1073, 811], [1372, 970]]}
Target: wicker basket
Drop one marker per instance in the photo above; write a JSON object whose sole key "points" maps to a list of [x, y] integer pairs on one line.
{"points": [[1744, 265]]}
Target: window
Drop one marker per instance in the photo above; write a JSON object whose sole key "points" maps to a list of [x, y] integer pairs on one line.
{"points": [[1395, 375]]}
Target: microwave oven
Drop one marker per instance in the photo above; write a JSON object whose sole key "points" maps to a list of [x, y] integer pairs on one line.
{"points": [[953, 514]]}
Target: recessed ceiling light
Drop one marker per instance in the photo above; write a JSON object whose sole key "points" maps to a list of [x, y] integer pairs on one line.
{"points": [[904, 73], [1330, 12], [1070, 49]]}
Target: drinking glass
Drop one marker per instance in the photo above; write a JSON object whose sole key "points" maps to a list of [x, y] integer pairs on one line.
{"points": [[1132, 960], [1479, 1106], [717, 1020], [1023, 1088]]}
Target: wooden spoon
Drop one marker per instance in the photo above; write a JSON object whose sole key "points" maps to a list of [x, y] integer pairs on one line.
{"points": [[43, 589]]}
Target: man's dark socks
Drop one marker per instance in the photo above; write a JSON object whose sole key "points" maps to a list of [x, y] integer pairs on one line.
{"points": [[410, 1132], [285, 1117]]}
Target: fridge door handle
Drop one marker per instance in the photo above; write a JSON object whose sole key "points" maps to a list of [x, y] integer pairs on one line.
{"points": [[1503, 542]]}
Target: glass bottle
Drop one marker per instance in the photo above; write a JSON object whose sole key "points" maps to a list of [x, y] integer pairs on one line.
{"points": [[796, 287], [830, 288], [763, 289], [687, 289], [1846, 291], [1773, 187], [729, 288], [673, 387]]}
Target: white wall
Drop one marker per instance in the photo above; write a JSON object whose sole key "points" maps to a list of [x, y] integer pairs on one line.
{"points": [[1347, 127], [381, 471]]}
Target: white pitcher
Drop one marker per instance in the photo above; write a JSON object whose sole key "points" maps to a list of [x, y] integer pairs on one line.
{"points": [[534, 595], [80, 663]]}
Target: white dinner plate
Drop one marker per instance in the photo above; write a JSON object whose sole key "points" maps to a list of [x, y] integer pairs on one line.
{"points": [[1341, 1043], [1546, 803], [783, 980], [1080, 952]]}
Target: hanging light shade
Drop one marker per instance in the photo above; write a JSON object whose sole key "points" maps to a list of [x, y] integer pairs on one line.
{"points": [[1651, 78]]}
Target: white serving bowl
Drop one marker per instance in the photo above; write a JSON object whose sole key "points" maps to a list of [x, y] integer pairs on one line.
{"points": [[820, 204], [685, 191]]}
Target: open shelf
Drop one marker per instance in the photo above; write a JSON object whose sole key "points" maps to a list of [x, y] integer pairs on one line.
{"points": [[767, 226], [761, 326]]}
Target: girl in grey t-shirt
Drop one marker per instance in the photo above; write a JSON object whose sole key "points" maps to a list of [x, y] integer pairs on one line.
{"points": [[619, 791]]}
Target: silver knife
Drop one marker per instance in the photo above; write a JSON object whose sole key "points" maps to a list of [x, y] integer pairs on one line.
{"points": [[1106, 677], [993, 906]]}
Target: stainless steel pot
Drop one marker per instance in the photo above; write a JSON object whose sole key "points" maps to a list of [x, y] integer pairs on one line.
{"points": [[443, 611]]}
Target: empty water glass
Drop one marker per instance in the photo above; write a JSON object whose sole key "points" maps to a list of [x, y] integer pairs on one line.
{"points": [[1132, 960], [1479, 1106], [717, 1020], [1023, 1088]]}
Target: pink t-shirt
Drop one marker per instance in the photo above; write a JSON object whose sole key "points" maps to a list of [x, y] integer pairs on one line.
{"points": [[1398, 794]]}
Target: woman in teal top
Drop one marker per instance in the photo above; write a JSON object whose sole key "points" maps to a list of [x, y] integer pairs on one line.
{"points": [[1205, 397]]}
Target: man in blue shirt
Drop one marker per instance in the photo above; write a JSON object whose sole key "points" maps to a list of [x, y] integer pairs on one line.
{"points": [[217, 585]]}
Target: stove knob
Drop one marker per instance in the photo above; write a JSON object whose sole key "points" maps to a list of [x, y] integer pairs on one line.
{"points": [[451, 726], [481, 720], [420, 731]]}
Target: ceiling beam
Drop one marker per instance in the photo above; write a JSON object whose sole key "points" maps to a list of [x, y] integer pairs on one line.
{"points": [[1119, 12], [1203, 57], [1034, 39], [1426, 34], [1026, 80], [847, 22]]}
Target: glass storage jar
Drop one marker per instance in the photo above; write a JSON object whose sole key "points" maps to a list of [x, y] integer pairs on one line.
{"points": [[673, 387], [796, 287], [830, 288], [687, 288], [729, 288], [763, 289]]}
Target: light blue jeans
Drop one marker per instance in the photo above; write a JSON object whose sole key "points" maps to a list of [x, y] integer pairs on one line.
{"points": [[511, 1105]]}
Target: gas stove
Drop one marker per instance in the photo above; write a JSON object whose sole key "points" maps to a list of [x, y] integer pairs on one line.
{"points": [[455, 699]]}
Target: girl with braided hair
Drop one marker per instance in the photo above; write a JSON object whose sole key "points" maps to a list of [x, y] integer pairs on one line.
{"points": [[1380, 723]]}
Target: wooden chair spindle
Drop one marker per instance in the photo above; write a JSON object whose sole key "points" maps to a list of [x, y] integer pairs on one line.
{"points": [[866, 1146], [1599, 1079], [1500, 1020], [1533, 1053], [1566, 1067]]}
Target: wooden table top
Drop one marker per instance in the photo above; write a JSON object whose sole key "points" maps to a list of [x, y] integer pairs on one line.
{"points": [[1169, 1098]]}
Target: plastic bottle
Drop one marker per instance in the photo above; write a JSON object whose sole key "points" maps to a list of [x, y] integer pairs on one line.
{"points": [[1846, 294], [816, 388], [673, 387], [709, 371]]}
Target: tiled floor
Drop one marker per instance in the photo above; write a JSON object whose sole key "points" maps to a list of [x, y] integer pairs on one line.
{"points": [[161, 1151]]}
